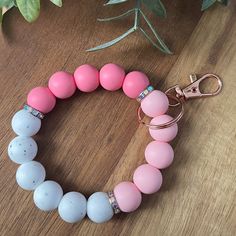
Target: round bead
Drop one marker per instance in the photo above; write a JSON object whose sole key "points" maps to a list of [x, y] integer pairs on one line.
{"points": [[22, 149], [155, 104], [25, 124], [99, 209], [62, 84], [111, 77], [159, 154], [135, 82], [127, 196], [30, 175], [147, 178], [42, 99], [166, 134], [86, 78], [48, 195], [72, 207]]}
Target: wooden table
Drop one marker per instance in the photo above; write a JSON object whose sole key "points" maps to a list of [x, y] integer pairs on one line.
{"points": [[92, 142]]}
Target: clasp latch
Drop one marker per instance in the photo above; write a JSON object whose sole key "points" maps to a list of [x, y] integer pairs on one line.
{"points": [[193, 89]]}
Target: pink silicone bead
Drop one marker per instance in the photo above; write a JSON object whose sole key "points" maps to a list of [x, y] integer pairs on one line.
{"points": [[127, 196], [159, 154], [154, 104], [86, 78], [147, 178], [62, 84], [135, 82], [111, 77], [42, 99], [166, 134]]}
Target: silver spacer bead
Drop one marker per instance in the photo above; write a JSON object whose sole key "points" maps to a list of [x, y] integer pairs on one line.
{"points": [[144, 93], [34, 112], [113, 202]]}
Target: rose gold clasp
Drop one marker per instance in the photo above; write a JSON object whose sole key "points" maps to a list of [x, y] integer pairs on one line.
{"points": [[181, 95], [193, 89]]}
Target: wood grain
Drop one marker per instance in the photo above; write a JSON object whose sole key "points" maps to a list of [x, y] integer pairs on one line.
{"points": [[91, 142]]}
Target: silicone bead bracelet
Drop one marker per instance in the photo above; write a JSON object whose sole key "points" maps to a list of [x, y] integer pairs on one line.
{"points": [[126, 196]]}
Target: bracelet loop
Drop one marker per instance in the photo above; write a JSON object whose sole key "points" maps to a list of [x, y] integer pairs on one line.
{"points": [[147, 178]]}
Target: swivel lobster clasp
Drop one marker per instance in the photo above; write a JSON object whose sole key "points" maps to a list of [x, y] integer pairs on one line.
{"points": [[179, 95], [193, 89]]}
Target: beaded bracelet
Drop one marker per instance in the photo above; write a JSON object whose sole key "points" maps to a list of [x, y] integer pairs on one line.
{"points": [[147, 178]]}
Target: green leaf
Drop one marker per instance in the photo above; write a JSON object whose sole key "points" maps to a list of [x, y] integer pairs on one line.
{"points": [[160, 41], [57, 2], [224, 2], [4, 9], [207, 3], [112, 42], [6, 3], [111, 2], [29, 9], [1, 16], [155, 6], [117, 17]]}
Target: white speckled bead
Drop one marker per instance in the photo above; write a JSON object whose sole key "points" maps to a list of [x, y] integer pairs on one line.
{"points": [[30, 175], [99, 209], [22, 149], [25, 124], [48, 195], [72, 207]]}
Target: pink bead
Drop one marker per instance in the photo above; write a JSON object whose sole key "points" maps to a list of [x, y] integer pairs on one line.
{"points": [[41, 99], [127, 196], [111, 77], [147, 178], [166, 134], [135, 82], [155, 104], [86, 78], [62, 84], [159, 154]]}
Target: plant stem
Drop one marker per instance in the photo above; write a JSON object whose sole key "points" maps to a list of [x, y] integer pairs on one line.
{"points": [[137, 14], [117, 17]]}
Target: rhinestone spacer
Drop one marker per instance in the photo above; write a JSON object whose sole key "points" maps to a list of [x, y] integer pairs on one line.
{"points": [[144, 93], [34, 112], [113, 202]]}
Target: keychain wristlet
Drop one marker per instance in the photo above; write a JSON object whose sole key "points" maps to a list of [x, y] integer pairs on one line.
{"points": [[147, 179]]}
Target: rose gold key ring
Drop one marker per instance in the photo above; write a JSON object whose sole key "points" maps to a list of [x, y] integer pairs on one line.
{"points": [[181, 95], [167, 124]]}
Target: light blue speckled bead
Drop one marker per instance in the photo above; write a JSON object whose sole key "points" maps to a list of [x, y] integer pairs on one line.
{"points": [[48, 195], [25, 124], [30, 175], [99, 209], [22, 149], [72, 207]]}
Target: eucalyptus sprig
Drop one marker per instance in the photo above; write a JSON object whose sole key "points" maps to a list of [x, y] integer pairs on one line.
{"points": [[154, 5], [157, 7]]}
